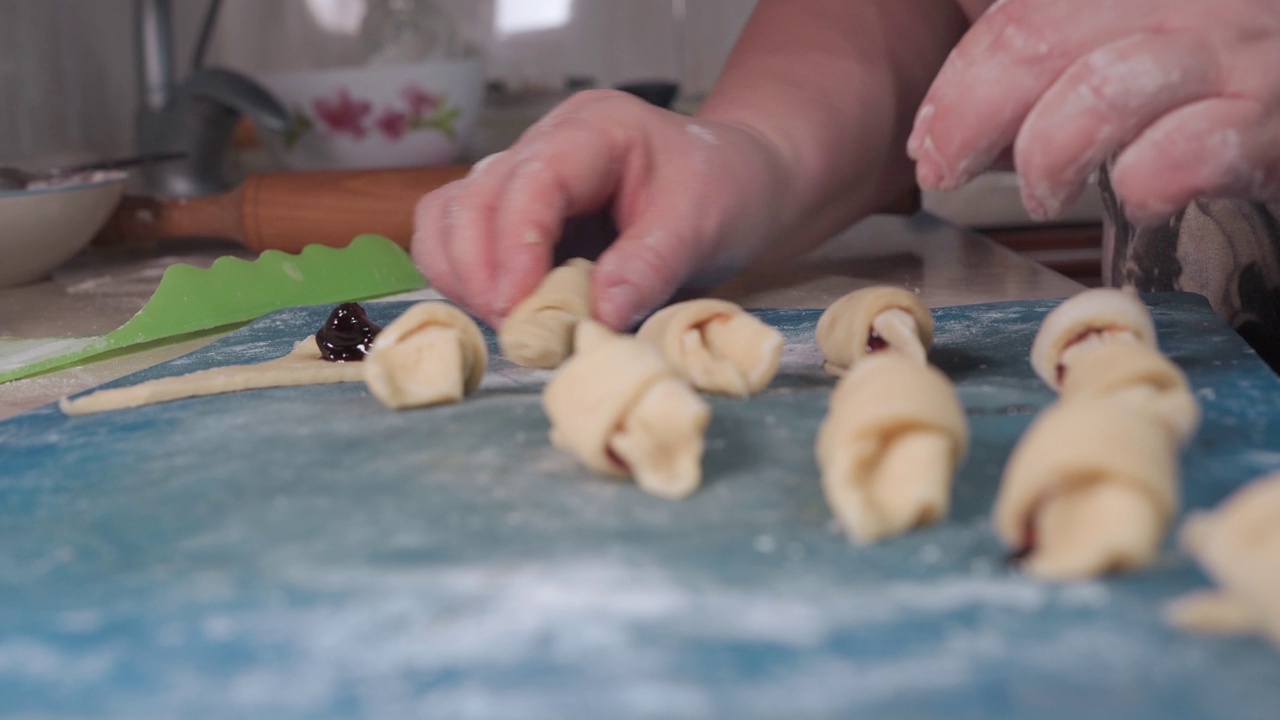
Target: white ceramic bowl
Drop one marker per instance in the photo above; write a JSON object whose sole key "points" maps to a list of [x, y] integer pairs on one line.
{"points": [[42, 228], [377, 116]]}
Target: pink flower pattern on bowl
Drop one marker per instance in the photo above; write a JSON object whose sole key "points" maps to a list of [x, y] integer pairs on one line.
{"points": [[343, 114], [421, 103], [392, 123], [346, 114]]}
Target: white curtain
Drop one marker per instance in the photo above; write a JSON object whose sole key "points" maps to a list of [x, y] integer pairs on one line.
{"points": [[68, 91], [67, 77]]}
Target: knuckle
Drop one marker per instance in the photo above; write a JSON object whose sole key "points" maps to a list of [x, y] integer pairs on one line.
{"points": [[1020, 30], [1101, 87], [595, 110], [485, 163], [424, 209], [468, 260], [599, 96], [471, 207]]}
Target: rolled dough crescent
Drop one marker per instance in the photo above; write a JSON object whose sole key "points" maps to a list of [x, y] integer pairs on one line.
{"points": [[845, 330], [620, 408], [716, 346], [432, 354], [889, 446], [1238, 545], [1090, 487], [538, 332]]}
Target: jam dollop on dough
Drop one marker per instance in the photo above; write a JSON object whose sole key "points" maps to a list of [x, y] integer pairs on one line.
{"points": [[347, 334]]}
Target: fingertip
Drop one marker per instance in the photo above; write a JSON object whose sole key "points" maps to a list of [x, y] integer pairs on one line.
{"points": [[928, 176], [617, 303], [935, 172], [515, 284], [1148, 215], [1046, 201], [920, 130], [492, 320], [1149, 192], [642, 269], [1033, 207]]}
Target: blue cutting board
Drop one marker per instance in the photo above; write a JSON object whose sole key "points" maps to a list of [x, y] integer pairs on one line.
{"points": [[303, 552]]}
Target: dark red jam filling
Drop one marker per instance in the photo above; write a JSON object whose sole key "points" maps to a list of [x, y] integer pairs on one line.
{"points": [[616, 459], [875, 342], [347, 334], [1078, 337], [1028, 543]]}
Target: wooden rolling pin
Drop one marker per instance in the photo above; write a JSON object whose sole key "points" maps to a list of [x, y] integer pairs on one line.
{"points": [[290, 210], [286, 211]]}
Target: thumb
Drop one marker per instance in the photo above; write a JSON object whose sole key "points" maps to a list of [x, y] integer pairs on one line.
{"points": [[644, 267]]}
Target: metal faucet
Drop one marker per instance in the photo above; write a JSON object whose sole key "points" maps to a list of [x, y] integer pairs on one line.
{"points": [[197, 116]]}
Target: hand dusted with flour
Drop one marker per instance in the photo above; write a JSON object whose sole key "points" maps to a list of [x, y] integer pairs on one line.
{"points": [[1183, 90], [802, 135], [809, 129], [684, 195]]}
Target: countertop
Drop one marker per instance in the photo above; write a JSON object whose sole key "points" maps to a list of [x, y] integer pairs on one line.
{"points": [[946, 265], [307, 553]]}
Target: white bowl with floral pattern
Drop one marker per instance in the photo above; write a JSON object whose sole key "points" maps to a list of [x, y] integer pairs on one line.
{"points": [[377, 116]]}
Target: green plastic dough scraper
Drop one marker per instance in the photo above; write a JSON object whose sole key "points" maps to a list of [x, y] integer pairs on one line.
{"points": [[233, 291]]}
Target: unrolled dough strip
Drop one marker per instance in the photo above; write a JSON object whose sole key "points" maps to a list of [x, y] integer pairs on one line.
{"points": [[716, 346], [619, 407], [1089, 319], [538, 332], [1140, 377], [1238, 545], [302, 366], [872, 319], [889, 446], [1090, 488], [433, 353]]}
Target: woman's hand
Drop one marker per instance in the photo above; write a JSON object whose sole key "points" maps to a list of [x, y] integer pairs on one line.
{"points": [[1185, 91], [687, 197]]}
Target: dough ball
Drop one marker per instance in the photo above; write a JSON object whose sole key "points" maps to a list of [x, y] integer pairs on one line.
{"points": [[716, 346], [889, 446], [538, 332], [433, 353]]}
